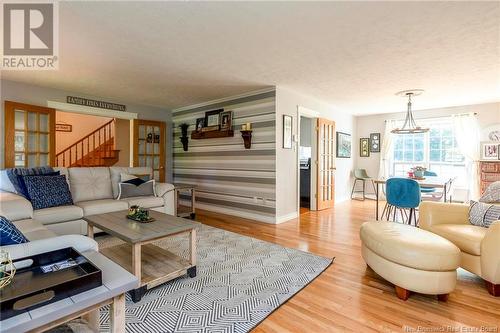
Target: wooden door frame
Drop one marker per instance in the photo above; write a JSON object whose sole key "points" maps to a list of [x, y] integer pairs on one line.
{"points": [[318, 206], [162, 125], [314, 115], [9, 130]]}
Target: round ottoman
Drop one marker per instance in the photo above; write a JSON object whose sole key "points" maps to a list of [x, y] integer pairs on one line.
{"points": [[411, 258]]}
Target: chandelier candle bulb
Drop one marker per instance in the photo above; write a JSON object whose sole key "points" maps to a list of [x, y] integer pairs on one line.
{"points": [[243, 127], [249, 126]]}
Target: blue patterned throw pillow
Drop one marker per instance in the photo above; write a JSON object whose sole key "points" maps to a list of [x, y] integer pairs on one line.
{"points": [[9, 234], [48, 191]]}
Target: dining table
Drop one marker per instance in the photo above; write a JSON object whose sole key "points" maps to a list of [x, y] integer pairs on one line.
{"points": [[426, 182]]}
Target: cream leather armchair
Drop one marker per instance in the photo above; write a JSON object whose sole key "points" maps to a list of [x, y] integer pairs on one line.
{"points": [[480, 247]]}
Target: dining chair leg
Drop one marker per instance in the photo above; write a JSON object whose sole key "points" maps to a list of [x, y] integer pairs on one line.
{"points": [[383, 211], [394, 217], [373, 184], [353, 187], [411, 213], [363, 189], [406, 216]]}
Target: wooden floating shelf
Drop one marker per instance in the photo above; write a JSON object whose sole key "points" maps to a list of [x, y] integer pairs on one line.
{"points": [[212, 134]]}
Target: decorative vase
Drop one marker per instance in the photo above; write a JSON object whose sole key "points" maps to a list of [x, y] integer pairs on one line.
{"points": [[418, 173], [247, 138], [184, 136], [184, 141]]}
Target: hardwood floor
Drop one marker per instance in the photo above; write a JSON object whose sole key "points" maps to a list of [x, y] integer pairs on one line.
{"points": [[348, 296]]}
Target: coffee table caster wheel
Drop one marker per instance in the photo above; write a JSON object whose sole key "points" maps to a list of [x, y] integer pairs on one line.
{"points": [[193, 216], [191, 272], [137, 294]]}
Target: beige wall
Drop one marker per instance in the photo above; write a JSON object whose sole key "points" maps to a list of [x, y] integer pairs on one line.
{"points": [[82, 126], [122, 130]]}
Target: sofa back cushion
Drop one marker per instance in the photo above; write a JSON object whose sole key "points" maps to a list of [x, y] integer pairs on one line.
{"points": [[117, 171], [5, 183], [90, 183]]}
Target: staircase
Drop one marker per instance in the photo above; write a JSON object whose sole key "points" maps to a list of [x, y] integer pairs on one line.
{"points": [[94, 149]]}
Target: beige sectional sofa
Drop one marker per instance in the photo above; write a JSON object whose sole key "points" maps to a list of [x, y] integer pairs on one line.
{"points": [[94, 191], [480, 247]]}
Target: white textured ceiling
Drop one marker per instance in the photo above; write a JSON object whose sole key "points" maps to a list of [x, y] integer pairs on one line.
{"points": [[354, 55]]}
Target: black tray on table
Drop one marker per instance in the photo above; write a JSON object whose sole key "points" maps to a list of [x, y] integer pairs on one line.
{"points": [[31, 287]]}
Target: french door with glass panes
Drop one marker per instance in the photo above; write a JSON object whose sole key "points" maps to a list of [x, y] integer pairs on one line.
{"points": [[325, 164], [29, 135], [149, 146]]}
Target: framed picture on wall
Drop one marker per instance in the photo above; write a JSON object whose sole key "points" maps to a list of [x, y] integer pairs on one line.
{"points": [[375, 142], [364, 147], [287, 131], [343, 145], [226, 120], [212, 118], [200, 123], [489, 151]]}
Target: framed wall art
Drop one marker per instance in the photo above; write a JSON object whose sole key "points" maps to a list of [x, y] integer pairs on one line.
{"points": [[364, 147], [343, 145], [375, 142]]}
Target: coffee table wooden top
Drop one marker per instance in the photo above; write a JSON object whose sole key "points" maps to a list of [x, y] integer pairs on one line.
{"points": [[118, 225]]}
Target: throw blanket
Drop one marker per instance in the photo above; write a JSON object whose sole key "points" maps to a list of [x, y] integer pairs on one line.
{"points": [[492, 193], [15, 172]]}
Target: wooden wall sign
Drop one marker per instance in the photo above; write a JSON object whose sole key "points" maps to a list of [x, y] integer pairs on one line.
{"points": [[64, 128], [95, 104]]}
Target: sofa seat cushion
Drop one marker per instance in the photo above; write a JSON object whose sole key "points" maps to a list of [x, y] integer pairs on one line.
{"points": [[145, 202], [466, 236], [409, 246], [33, 230], [93, 207], [88, 184], [58, 214]]}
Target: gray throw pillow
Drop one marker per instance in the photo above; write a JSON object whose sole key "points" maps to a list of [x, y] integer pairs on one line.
{"points": [[128, 190], [492, 193], [482, 214]]}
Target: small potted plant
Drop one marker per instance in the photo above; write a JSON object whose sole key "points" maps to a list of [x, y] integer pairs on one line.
{"points": [[418, 171], [184, 137]]}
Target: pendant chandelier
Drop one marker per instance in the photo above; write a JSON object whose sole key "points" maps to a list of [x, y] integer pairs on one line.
{"points": [[409, 127]]}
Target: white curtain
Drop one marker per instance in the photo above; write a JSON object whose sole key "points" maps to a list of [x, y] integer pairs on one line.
{"points": [[467, 134], [384, 169]]}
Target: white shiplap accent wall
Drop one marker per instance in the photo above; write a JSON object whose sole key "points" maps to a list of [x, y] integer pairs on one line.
{"points": [[229, 178]]}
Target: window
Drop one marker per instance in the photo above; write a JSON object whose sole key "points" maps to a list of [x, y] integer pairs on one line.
{"points": [[436, 150]]}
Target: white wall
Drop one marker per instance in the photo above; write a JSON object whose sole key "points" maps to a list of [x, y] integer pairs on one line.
{"points": [[36, 95], [287, 102], [487, 115]]}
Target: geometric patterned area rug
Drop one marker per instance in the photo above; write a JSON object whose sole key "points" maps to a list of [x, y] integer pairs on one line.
{"points": [[240, 281]]}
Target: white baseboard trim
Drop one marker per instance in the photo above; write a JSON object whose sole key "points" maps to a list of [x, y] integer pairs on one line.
{"points": [[287, 217], [247, 215]]}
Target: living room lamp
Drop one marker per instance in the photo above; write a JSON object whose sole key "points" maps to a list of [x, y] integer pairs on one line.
{"points": [[409, 127]]}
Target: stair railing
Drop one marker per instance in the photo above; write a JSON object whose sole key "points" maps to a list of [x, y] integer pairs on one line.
{"points": [[84, 150]]}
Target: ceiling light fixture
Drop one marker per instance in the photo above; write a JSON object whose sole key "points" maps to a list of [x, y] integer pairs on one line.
{"points": [[409, 127]]}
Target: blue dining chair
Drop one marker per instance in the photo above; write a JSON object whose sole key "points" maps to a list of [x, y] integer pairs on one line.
{"points": [[428, 189], [402, 194]]}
